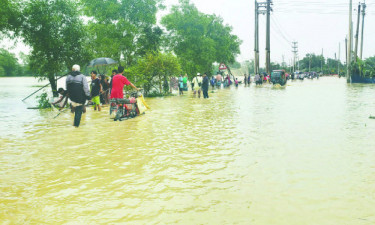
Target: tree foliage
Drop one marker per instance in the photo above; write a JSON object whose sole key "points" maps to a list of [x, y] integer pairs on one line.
{"points": [[9, 65], [57, 36], [319, 63], [9, 15], [153, 69], [199, 39], [365, 68], [122, 27]]}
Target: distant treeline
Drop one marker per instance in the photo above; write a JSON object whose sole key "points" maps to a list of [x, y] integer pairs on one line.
{"points": [[317, 63], [10, 67]]}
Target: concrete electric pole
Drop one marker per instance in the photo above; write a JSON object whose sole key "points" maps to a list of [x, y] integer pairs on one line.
{"points": [[256, 39], [338, 61], [357, 34], [266, 10], [295, 52], [268, 39], [321, 63], [363, 26], [349, 56]]}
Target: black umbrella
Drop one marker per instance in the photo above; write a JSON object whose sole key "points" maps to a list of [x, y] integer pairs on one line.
{"points": [[101, 62]]}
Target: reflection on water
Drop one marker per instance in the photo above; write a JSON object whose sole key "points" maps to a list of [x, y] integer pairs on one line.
{"points": [[303, 154]]}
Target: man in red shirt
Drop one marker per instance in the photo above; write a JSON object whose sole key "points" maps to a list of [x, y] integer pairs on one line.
{"points": [[118, 82]]}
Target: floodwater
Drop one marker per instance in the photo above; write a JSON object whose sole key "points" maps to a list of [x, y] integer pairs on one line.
{"points": [[304, 154]]}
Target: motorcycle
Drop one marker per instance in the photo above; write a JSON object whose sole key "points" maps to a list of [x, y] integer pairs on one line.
{"points": [[126, 108]]}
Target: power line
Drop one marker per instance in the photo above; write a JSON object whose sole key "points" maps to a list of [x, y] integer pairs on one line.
{"points": [[282, 31], [316, 7]]}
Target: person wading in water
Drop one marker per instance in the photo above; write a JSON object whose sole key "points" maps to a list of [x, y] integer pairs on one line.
{"points": [[78, 92], [119, 81], [205, 85]]}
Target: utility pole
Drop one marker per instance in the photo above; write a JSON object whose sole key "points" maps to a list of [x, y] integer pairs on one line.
{"points": [[263, 8], [291, 66], [346, 51], [349, 56], [321, 63], [357, 33], [363, 26], [338, 61], [335, 59], [256, 40], [268, 39], [295, 51]]}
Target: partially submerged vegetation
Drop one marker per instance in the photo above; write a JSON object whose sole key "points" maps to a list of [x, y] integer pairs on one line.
{"points": [[43, 101], [364, 68]]}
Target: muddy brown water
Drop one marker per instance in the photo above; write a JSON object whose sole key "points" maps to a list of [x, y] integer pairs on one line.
{"points": [[304, 154]]}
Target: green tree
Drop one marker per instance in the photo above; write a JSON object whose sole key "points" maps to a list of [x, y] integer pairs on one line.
{"points": [[249, 65], [9, 15], [365, 68], [121, 27], [57, 36], [150, 40], [312, 62], [8, 63], [199, 39], [235, 65], [153, 69], [370, 66]]}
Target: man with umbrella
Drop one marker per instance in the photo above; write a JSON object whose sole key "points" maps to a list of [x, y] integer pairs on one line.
{"points": [[118, 82]]}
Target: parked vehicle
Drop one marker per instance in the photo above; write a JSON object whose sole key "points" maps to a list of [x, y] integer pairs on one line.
{"points": [[278, 77], [299, 75], [311, 75]]}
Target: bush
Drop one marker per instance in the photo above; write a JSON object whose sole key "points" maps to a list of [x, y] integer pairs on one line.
{"points": [[43, 102]]}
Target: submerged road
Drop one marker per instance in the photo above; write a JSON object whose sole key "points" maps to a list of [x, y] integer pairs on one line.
{"points": [[303, 154]]}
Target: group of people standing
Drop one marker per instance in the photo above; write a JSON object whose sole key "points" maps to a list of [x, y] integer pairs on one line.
{"points": [[247, 79], [100, 92], [199, 84]]}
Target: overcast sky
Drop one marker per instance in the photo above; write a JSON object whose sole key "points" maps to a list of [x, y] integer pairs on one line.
{"points": [[314, 24]]}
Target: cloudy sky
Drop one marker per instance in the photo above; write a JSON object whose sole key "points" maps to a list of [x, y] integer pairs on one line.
{"points": [[314, 24]]}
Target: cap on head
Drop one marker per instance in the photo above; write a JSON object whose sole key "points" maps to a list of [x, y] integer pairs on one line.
{"points": [[76, 67], [198, 74]]}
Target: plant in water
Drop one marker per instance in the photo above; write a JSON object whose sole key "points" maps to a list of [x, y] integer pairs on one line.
{"points": [[364, 68], [43, 102]]}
